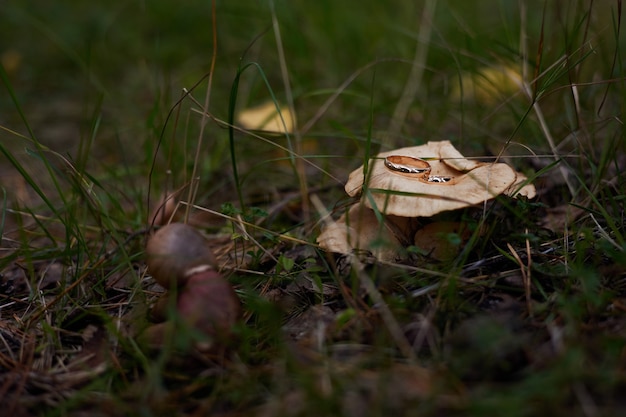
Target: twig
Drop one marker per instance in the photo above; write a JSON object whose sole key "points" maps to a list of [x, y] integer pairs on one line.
{"points": [[525, 274], [385, 313]]}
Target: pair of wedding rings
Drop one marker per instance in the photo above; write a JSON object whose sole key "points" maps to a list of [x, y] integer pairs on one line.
{"points": [[413, 166]]}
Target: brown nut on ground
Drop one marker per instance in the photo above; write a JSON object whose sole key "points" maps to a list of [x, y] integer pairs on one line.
{"points": [[209, 303], [176, 250], [206, 309]]}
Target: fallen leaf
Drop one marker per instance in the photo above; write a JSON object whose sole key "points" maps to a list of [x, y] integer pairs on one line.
{"points": [[267, 117], [487, 85]]}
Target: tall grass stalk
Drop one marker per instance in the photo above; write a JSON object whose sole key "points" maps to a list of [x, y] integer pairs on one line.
{"points": [[296, 149], [414, 79], [204, 118]]}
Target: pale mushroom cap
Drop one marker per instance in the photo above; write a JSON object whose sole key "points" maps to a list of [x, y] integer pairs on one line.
{"points": [[528, 190], [412, 195], [443, 150]]}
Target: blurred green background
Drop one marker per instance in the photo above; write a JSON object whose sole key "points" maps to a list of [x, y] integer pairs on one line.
{"points": [[107, 73]]}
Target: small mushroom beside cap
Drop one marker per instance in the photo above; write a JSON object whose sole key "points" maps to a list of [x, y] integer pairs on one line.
{"points": [[420, 181], [359, 229], [441, 240]]}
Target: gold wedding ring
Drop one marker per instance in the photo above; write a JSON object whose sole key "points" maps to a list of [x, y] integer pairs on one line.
{"points": [[407, 164], [438, 178], [410, 166]]}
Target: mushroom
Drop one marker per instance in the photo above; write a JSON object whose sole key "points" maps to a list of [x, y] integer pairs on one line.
{"points": [[358, 229], [441, 240], [408, 183], [447, 181]]}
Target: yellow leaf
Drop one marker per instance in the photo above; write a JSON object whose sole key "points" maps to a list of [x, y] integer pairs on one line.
{"points": [[267, 117], [488, 85], [11, 60]]}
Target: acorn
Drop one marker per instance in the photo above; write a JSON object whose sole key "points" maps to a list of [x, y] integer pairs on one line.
{"points": [[174, 252], [208, 303], [179, 258]]}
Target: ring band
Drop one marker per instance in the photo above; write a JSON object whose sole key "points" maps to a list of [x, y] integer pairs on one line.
{"points": [[407, 164], [438, 178]]}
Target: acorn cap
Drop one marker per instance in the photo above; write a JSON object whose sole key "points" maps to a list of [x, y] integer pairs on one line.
{"points": [[452, 182], [175, 251]]}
